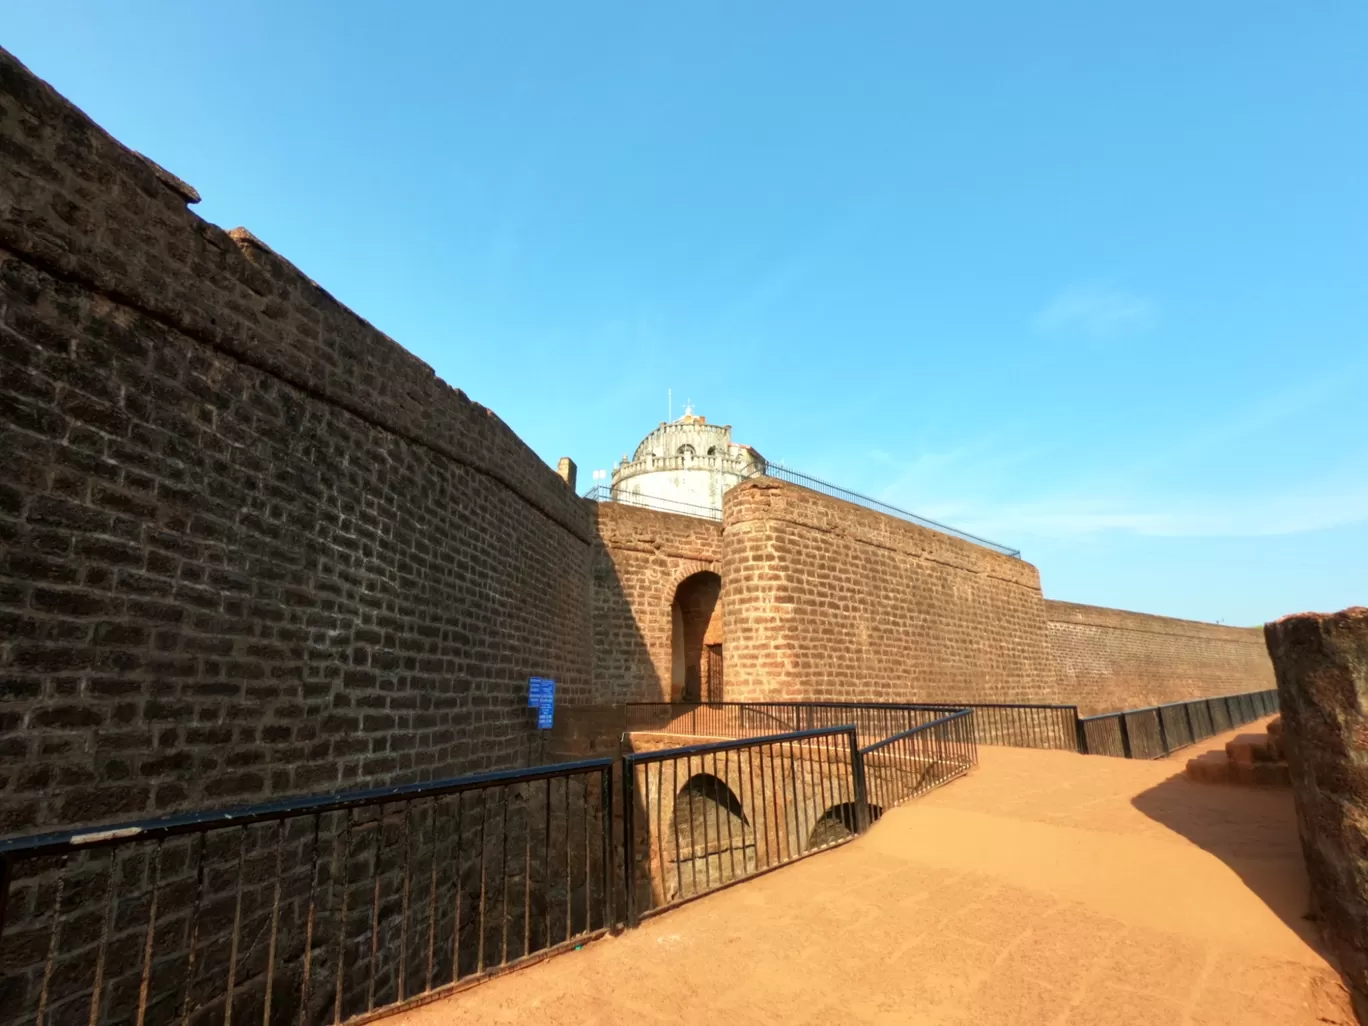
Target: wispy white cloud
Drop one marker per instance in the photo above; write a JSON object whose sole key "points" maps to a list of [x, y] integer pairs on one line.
{"points": [[1310, 506], [1097, 313]]}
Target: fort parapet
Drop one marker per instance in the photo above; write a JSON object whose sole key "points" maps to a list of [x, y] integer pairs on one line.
{"points": [[250, 546]]}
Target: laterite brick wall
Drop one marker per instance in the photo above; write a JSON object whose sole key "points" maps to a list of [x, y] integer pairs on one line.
{"points": [[248, 544], [639, 561], [828, 600], [1109, 659]]}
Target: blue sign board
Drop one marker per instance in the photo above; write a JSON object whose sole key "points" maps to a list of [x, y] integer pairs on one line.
{"points": [[534, 692], [541, 695]]}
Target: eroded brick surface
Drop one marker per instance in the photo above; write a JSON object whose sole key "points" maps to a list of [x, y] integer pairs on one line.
{"points": [[828, 600], [640, 560], [1109, 659], [1322, 668], [248, 544]]}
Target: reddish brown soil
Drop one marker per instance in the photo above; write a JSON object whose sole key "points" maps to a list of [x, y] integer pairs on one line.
{"points": [[1046, 888]]}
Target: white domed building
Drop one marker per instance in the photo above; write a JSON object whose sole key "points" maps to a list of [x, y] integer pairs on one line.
{"points": [[684, 466]]}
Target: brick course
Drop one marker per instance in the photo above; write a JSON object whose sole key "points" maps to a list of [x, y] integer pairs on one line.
{"points": [[1109, 659], [639, 561], [248, 544], [828, 600]]}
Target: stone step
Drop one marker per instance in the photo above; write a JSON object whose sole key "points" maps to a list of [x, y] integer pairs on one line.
{"points": [[1261, 774], [1247, 749], [1210, 768], [1219, 768]]}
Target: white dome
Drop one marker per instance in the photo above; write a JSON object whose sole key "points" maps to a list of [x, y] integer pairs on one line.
{"points": [[687, 463]]}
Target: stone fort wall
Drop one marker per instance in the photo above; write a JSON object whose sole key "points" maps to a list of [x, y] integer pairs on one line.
{"points": [[248, 544], [1109, 659], [640, 560], [828, 600]]}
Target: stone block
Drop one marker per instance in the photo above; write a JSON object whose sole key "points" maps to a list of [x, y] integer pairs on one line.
{"points": [[1321, 661]]}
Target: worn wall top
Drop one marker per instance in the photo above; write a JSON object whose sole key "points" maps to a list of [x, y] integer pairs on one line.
{"points": [[829, 600]]}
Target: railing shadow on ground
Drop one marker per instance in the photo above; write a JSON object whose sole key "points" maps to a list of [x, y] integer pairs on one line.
{"points": [[1253, 830]]}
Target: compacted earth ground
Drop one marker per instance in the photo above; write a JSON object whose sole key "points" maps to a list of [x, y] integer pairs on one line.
{"points": [[1047, 887]]}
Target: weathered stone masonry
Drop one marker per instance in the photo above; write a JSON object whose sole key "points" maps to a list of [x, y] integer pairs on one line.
{"points": [[641, 559], [248, 544], [1322, 671], [1108, 659], [827, 600]]}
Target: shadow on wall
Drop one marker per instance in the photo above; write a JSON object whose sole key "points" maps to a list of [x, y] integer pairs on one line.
{"points": [[623, 668], [1251, 830]]}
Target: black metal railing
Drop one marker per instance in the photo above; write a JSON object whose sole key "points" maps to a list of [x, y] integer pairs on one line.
{"points": [[329, 909], [309, 910], [732, 720], [1156, 731], [1024, 725], [602, 493], [704, 816], [1016, 726], [918, 760]]}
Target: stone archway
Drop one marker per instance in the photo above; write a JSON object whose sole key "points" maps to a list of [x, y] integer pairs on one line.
{"points": [[712, 840], [696, 638]]}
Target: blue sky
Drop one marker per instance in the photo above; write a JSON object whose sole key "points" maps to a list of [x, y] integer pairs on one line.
{"points": [[1089, 279]]}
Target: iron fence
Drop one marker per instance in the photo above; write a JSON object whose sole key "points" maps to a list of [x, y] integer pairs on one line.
{"points": [[1024, 725], [337, 908], [305, 911], [1016, 726], [704, 816], [734, 720], [918, 760], [1156, 731], [602, 493]]}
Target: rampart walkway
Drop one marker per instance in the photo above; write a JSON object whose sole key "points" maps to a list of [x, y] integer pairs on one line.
{"points": [[1042, 889]]}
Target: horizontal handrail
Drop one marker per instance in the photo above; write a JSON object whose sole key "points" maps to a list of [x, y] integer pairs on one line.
{"points": [[790, 703], [285, 808], [961, 714], [639, 758]]}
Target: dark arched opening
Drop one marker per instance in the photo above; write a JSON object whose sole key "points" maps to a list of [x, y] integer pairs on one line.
{"points": [[696, 639], [839, 823], [711, 836]]}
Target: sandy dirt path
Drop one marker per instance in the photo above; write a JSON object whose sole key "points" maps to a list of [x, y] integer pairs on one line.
{"points": [[1047, 888]]}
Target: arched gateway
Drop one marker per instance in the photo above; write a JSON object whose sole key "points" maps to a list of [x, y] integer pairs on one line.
{"points": [[696, 639]]}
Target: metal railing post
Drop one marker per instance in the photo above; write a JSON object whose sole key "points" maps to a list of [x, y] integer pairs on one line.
{"points": [[1163, 731], [6, 872], [606, 797], [1080, 734], [861, 787], [1187, 711], [629, 838], [1125, 736]]}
